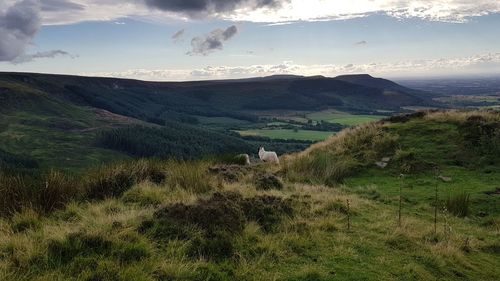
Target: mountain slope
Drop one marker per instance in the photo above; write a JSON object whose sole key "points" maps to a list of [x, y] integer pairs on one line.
{"points": [[215, 98]]}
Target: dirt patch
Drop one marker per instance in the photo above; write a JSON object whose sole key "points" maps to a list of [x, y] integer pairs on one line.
{"points": [[109, 116]]}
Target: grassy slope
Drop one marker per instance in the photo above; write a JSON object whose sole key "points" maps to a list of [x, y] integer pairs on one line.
{"points": [[312, 245], [59, 134]]}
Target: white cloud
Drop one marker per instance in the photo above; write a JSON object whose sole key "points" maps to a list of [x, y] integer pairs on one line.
{"points": [[289, 10], [478, 64]]}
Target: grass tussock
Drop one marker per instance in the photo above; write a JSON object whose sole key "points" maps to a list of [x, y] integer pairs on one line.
{"points": [[459, 204], [44, 194], [342, 155], [191, 176], [211, 225], [114, 180]]}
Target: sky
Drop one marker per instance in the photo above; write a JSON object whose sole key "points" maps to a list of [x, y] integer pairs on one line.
{"points": [[178, 40]]}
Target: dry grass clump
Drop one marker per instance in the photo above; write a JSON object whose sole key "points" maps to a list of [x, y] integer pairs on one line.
{"points": [[191, 176], [333, 160], [44, 194], [113, 180]]}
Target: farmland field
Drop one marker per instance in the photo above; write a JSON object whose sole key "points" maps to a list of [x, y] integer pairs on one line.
{"points": [[288, 134], [343, 118]]}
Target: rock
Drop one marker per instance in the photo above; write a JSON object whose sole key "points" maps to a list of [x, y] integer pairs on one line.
{"points": [[445, 179]]}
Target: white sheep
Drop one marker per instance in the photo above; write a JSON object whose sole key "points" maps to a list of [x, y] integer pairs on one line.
{"points": [[268, 156]]}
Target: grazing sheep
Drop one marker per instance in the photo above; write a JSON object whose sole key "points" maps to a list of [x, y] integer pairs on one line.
{"points": [[268, 156], [243, 159]]}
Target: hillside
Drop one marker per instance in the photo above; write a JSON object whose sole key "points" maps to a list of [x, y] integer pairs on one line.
{"points": [[221, 98], [66, 121], [330, 212]]}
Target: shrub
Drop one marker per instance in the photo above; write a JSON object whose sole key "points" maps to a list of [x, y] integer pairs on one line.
{"points": [[267, 210], [410, 162], [211, 224], [231, 159], [229, 173], [216, 246], [28, 219], [458, 204], [114, 180], [268, 181], [481, 136], [403, 118], [221, 212]]}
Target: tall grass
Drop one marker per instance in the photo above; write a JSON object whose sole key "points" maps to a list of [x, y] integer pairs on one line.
{"points": [[332, 161], [458, 204], [53, 190], [191, 176], [113, 180], [43, 194]]}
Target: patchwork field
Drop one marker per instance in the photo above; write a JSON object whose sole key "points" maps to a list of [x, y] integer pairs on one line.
{"points": [[288, 134], [334, 116]]}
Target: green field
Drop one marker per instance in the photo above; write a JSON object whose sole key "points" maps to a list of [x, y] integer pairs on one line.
{"points": [[288, 134], [343, 118]]}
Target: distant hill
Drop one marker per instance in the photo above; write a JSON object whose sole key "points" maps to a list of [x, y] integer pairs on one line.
{"points": [[57, 117], [144, 100]]}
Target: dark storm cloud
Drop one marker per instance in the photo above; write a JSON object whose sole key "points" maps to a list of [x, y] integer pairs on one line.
{"points": [[206, 7], [18, 25], [203, 45], [41, 55]]}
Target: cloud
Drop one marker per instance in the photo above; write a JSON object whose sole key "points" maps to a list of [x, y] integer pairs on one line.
{"points": [[39, 55], [361, 43], [178, 35], [478, 64], [19, 24], [210, 8], [263, 11], [57, 5], [204, 45]]}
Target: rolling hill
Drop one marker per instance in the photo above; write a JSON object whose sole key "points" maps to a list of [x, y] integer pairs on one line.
{"points": [[331, 212], [57, 118]]}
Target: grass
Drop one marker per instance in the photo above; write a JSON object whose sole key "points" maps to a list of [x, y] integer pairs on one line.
{"points": [[344, 118], [69, 147], [192, 226], [288, 134]]}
